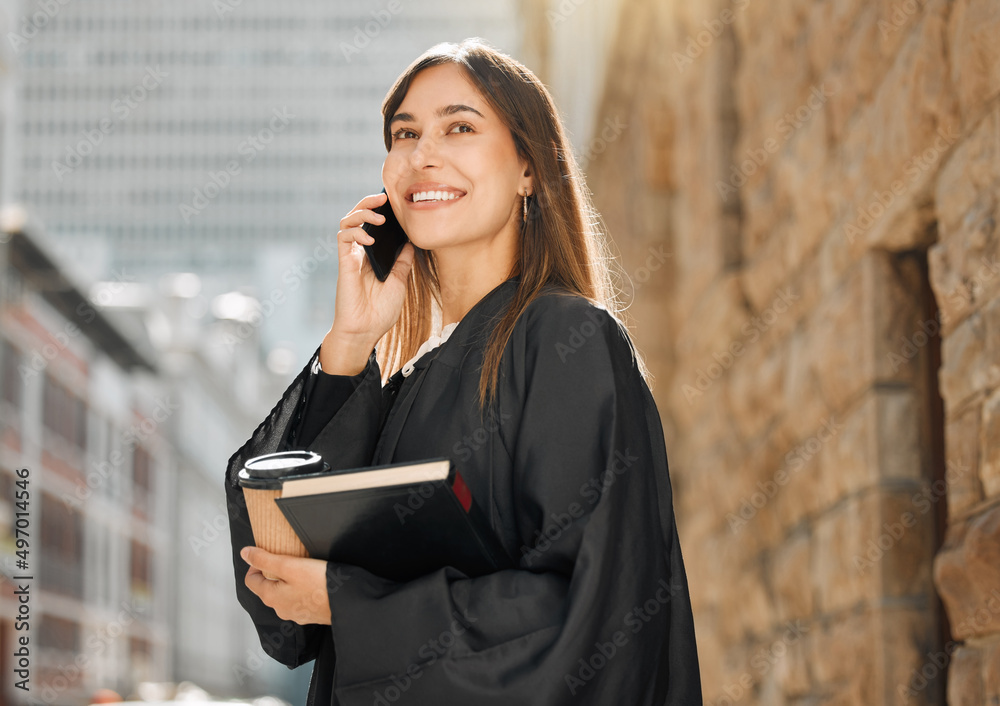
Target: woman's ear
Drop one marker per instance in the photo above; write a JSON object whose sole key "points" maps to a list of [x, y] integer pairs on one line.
{"points": [[527, 182]]}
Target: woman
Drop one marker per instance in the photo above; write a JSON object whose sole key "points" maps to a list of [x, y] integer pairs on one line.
{"points": [[531, 387]]}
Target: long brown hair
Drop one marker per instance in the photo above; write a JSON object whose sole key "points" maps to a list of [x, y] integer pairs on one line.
{"points": [[561, 242]]}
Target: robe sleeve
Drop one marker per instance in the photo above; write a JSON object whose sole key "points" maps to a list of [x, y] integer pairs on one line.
{"points": [[324, 395], [597, 610], [358, 418]]}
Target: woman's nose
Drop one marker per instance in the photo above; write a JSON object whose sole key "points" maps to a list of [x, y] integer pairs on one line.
{"points": [[425, 153]]}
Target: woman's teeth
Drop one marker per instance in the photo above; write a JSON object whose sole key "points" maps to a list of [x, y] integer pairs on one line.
{"points": [[434, 196]]}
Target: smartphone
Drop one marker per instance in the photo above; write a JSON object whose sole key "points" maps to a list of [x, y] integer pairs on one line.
{"points": [[389, 241]]}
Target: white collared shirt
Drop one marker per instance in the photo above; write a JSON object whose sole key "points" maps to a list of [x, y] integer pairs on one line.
{"points": [[430, 344]]}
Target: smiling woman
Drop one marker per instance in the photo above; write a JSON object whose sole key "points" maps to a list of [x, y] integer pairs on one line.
{"points": [[438, 133], [496, 342]]}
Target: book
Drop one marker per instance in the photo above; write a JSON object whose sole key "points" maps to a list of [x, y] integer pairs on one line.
{"points": [[398, 521]]}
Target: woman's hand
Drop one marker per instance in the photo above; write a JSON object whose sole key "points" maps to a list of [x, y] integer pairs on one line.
{"points": [[299, 594], [365, 307]]}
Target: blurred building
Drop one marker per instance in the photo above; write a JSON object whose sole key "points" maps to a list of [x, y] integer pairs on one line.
{"points": [[83, 453], [127, 531], [119, 402], [10, 87], [222, 138], [805, 199]]}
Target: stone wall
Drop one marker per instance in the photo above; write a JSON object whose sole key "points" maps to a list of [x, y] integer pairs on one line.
{"points": [[804, 195]]}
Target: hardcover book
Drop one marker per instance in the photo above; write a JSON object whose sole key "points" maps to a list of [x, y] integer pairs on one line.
{"points": [[398, 521]]}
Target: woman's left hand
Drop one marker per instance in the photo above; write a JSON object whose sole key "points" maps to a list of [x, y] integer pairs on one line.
{"points": [[299, 594]]}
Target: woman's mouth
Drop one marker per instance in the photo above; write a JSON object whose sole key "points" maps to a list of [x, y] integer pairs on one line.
{"points": [[434, 196], [429, 195]]}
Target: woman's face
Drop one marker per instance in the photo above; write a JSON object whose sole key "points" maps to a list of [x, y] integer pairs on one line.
{"points": [[452, 173]]}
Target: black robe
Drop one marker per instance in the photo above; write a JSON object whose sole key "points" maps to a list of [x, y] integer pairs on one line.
{"points": [[571, 469]]}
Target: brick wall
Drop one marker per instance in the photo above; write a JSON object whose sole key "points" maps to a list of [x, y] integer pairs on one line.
{"points": [[804, 195]]}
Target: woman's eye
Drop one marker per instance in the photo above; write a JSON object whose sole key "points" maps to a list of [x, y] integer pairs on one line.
{"points": [[401, 133], [462, 125]]}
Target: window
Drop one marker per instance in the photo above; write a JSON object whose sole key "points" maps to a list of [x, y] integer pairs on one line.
{"points": [[10, 381], [141, 568], [141, 480], [58, 634], [61, 564], [141, 655], [7, 509], [64, 414]]}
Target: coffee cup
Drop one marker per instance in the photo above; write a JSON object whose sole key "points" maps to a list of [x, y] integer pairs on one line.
{"points": [[261, 479]]}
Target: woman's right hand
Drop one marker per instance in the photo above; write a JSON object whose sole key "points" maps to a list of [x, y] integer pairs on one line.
{"points": [[365, 308]]}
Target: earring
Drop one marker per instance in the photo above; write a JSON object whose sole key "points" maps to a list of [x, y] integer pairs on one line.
{"points": [[524, 207]]}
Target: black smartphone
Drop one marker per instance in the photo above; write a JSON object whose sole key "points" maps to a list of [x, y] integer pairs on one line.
{"points": [[389, 241]]}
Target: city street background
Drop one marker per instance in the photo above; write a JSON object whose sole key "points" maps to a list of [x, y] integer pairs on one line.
{"points": [[803, 195]]}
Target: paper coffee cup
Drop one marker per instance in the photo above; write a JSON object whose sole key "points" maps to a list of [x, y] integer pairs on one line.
{"points": [[261, 479]]}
